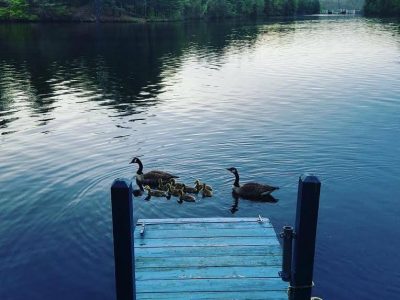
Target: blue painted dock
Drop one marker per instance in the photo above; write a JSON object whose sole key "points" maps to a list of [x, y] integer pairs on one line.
{"points": [[211, 258]]}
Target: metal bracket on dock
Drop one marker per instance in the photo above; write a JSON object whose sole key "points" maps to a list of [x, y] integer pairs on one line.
{"points": [[283, 235], [291, 290], [287, 236], [142, 229]]}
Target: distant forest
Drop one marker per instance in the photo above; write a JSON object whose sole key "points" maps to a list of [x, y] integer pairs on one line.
{"points": [[384, 8], [142, 10], [342, 4]]}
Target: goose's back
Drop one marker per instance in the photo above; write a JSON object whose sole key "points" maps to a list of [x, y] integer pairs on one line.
{"points": [[253, 189], [156, 175]]}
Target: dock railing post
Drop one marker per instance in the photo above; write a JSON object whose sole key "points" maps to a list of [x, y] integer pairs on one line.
{"points": [[122, 217], [301, 280]]}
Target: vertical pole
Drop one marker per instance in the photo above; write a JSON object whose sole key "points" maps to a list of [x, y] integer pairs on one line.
{"points": [[122, 217], [304, 242], [287, 236]]}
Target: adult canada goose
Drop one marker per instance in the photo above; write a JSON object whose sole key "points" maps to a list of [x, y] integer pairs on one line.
{"points": [[250, 190], [155, 193], [150, 178]]}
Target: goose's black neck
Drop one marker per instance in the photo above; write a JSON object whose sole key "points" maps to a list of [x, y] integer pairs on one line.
{"points": [[140, 170], [236, 183]]}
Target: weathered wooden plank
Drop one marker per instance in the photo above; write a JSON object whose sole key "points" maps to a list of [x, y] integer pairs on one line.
{"points": [[213, 258], [151, 233], [214, 261], [253, 295], [201, 226], [195, 242], [207, 273], [207, 251], [199, 220], [211, 285]]}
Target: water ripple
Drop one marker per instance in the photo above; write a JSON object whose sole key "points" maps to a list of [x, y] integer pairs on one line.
{"points": [[274, 100]]}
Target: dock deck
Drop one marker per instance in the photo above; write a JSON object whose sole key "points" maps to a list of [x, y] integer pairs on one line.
{"points": [[207, 258]]}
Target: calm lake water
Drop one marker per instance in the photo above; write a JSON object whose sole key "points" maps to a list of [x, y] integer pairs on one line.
{"points": [[275, 100]]}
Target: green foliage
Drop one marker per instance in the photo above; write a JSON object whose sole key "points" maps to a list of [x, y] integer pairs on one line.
{"points": [[154, 9], [3, 13], [52, 9], [308, 7], [195, 9], [290, 7], [385, 8], [15, 10], [219, 9], [335, 5]]}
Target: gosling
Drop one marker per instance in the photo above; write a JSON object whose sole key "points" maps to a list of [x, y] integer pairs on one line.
{"points": [[155, 193], [190, 190], [205, 191], [173, 190], [175, 184], [185, 197], [199, 185]]}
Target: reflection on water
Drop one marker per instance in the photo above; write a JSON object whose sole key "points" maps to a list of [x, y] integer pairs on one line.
{"points": [[77, 102], [235, 204], [120, 67]]}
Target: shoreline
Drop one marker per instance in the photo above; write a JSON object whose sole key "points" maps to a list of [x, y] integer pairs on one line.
{"points": [[149, 21]]}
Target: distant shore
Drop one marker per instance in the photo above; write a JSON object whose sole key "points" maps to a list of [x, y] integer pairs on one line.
{"points": [[151, 11]]}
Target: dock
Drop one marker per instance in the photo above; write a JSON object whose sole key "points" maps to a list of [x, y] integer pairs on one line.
{"points": [[214, 258]]}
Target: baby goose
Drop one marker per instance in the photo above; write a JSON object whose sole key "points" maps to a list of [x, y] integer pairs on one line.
{"points": [[175, 184], [162, 186], [186, 197], [155, 193], [207, 187], [205, 191], [173, 190], [191, 190], [199, 185]]}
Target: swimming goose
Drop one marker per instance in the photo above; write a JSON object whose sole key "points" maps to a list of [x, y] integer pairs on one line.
{"points": [[185, 197], [200, 185], [205, 191], [155, 193], [190, 190], [177, 185], [162, 186], [173, 190], [150, 178], [250, 190]]}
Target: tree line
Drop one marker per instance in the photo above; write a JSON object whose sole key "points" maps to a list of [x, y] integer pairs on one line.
{"points": [[384, 8], [86, 10]]}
